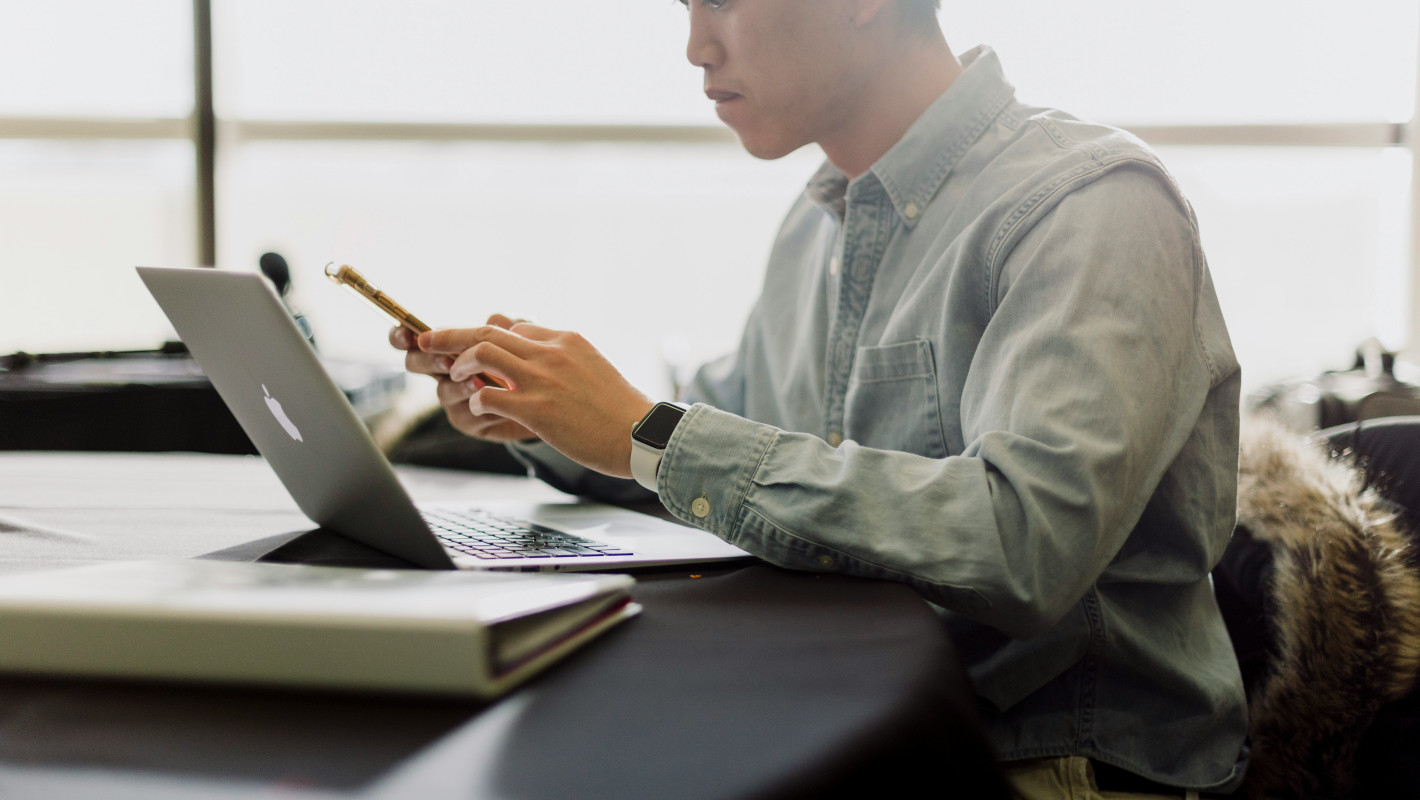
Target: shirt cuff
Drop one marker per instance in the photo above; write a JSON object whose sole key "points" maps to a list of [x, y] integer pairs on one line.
{"points": [[708, 467]]}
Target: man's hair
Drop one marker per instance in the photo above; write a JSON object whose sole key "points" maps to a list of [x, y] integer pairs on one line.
{"points": [[920, 14]]}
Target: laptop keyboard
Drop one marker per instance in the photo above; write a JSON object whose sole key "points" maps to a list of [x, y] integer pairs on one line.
{"points": [[488, 536]]}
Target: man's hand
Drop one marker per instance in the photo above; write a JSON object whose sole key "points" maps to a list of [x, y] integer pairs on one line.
{"points": [[559, 388], [454, 395]]}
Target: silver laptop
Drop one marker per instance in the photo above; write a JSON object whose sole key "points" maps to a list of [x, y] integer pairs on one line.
{"points": [[269, 376]]}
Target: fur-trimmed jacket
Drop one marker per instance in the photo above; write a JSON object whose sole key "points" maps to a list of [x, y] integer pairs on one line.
{"points": [[1322, 595]]}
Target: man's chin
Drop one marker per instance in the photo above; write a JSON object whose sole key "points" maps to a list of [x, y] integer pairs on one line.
{"points": [[768, 150]]}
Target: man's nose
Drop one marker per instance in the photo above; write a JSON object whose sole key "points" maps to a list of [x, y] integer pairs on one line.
{"points": [[703, 47]]}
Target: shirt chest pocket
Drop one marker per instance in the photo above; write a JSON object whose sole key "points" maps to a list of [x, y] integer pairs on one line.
{"points": [[892, 401]]}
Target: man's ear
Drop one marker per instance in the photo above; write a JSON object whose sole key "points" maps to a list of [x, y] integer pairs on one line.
{"points": [[865, 11]]}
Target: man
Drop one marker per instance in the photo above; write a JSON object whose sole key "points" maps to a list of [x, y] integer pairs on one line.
{"points": [[987, 361]]}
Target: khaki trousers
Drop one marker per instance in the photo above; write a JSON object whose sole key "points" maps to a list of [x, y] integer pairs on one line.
{"points": [[1069, 778]]}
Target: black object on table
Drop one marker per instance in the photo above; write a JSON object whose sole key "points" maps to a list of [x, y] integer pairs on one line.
{"points": [[144, 401]]}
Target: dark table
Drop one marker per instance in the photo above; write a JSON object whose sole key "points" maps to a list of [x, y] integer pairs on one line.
{"points": [[743, 681]]}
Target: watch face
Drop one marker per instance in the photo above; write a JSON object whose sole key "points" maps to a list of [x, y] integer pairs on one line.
{"points": [[656, 429]]}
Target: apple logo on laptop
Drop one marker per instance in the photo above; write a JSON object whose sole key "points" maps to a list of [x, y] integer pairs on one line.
{"points": [[275, 406]]}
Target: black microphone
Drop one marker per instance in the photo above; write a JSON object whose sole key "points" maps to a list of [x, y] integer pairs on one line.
{"points": [[276, 270], [274, 267]]}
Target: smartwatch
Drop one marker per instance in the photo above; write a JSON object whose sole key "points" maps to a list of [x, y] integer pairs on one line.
{"points": [[649, 438]]}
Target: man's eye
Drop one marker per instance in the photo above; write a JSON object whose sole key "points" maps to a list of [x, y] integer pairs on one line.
{"points": [[710, 3]]}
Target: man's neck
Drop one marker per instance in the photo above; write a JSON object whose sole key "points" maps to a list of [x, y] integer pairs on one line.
{"points": [[889, 101]]}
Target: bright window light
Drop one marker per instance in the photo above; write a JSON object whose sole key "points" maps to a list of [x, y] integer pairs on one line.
{"points": [[90, 58], [1304, 247], [559, 61], [75, 218], [1203, 61]]}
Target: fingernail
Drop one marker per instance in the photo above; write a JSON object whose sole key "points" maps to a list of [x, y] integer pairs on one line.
{"points": [[425, 339]]}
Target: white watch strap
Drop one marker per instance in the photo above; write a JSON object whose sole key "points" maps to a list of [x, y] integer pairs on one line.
{"points": [[645, 464]]}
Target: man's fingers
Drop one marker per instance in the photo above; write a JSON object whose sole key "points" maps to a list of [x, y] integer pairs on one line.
{"points": [[492, 349], [487, 357], [465, 421], [494, 428], [492, 401], [503, 321], [453, 341], [454, 393], [471, 422], [401, 338], [423, 363], [536, 333]]}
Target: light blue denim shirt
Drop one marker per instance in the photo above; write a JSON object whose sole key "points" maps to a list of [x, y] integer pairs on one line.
{"points": [[994, 367]]}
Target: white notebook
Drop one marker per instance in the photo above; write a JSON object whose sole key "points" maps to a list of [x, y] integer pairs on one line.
{"points": [[441, 632]]}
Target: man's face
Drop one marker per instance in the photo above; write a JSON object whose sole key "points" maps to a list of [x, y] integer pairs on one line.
{"points": [[779, 71]]}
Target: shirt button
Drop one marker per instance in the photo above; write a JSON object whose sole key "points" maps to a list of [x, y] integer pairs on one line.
{"points": [[700, 507], [833, 266], [835, 439], [826, 562], [910, 210]]}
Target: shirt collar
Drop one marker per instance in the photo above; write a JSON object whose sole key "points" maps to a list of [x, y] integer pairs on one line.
{"points": [[914, 169]]}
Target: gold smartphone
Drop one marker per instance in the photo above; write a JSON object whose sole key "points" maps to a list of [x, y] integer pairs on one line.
{"points": [[349, 277]]}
